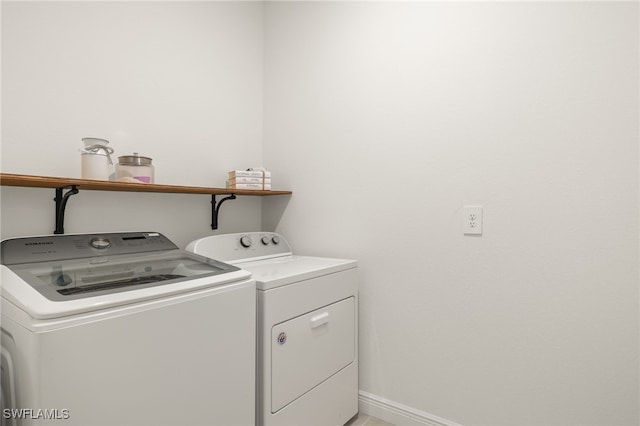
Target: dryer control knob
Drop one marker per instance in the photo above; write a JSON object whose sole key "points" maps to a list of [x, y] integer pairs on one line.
{"points": [[245, 241], [265, 240], [275, 240]]}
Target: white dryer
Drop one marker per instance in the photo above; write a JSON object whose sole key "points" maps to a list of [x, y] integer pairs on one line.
{"points": [[124, 329], [307, 328]]}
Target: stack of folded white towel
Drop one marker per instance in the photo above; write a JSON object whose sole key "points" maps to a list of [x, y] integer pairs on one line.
{"points": [[250, 179]]}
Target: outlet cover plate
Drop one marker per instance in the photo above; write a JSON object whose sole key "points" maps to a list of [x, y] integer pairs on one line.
{"points": [[472, 220]]}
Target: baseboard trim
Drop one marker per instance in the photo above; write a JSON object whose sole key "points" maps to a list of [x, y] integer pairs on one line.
{"points": [[397, 414]]}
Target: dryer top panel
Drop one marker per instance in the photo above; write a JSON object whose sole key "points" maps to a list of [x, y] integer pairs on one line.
{"points": [[268, 256], [277, 272]]}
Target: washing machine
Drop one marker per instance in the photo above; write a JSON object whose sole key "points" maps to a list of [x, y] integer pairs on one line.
{"points": [[307, 371], [124, 329]]}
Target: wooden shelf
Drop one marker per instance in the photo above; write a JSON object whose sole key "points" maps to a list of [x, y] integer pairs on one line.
{"points": [[27, 181], [74, 185]]}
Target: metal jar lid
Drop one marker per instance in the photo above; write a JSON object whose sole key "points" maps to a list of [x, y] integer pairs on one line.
{"points": [[134, 160]]}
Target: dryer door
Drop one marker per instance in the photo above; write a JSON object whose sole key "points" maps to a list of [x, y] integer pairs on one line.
{"points": [[309, 349]]}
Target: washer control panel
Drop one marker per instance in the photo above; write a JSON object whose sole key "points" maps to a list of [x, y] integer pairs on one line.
{"points": [[66, 247]]}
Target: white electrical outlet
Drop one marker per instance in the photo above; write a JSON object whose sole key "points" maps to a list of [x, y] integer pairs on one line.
{"points": [[472, 220]]}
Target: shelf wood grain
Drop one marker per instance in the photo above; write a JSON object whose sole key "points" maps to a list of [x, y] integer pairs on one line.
{"points": [[28, 181]]}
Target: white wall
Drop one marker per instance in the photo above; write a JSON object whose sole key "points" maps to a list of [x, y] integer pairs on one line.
{"points": [[385, 118], [180, 82]]}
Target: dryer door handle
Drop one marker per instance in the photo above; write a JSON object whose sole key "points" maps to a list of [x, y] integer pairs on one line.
{"points": [[319, 320]]}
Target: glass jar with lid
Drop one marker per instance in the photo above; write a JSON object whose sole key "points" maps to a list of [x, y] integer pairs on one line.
{"points": [[134, 168]]}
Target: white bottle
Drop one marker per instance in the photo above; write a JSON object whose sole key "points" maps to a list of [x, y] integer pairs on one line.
{"points": [[95, 159]]}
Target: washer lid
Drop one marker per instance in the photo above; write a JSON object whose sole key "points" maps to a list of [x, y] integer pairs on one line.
{"points": [[18, 292], [279, 271], [61, 275], [64, 280]]}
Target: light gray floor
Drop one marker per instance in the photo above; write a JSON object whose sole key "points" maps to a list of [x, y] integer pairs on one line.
{"points": [[363, 419]]}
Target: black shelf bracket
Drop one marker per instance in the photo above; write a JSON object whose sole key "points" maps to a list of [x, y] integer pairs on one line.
{"points": [[61, 204], [215, 208]]}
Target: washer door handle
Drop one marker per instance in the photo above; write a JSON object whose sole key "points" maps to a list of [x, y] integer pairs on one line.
{"points": [[319, 320]]}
